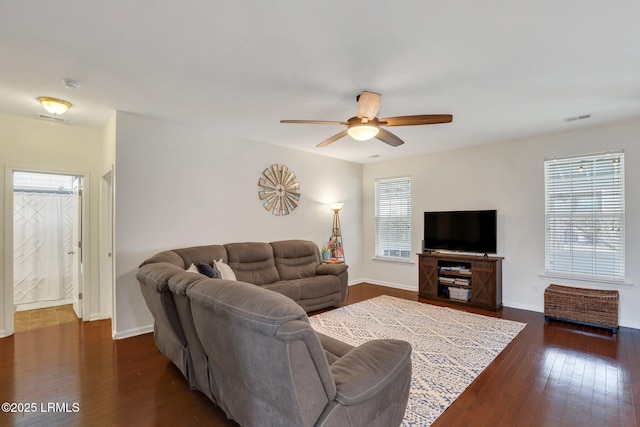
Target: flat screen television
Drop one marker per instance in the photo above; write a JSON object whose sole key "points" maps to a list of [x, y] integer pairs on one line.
{"points": [[462, 231]]}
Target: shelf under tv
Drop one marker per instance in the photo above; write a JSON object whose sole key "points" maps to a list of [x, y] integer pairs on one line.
{"points": [[485, 278]]}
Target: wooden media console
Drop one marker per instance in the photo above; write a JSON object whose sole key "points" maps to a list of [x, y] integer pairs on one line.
{"points": [[461, 279]]}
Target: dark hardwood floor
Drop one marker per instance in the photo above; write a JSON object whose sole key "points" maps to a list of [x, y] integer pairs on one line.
{"points": [[552, 374]]}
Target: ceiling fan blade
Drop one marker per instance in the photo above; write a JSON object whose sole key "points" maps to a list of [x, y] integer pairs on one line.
{"points": [[333, 139], [368, 105], [314, 122], [389, 138], [425, 119]]}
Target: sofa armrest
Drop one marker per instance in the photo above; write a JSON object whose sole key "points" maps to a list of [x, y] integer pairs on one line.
{"points": [[157, 275], [166, 256], [331, 269], [368, 369], [333, 349]]}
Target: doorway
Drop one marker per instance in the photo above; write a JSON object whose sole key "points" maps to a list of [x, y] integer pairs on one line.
{"points": [[47, 241]]}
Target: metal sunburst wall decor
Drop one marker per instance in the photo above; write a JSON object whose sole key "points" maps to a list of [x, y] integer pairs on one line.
{"points": [[280, 191]]}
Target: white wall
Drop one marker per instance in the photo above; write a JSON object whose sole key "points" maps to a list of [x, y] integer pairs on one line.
{"points": [[44, 146], [109, 143], [509, 177], [179, 186]]}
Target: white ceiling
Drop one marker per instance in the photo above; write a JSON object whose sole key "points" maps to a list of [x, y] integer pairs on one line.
{"points": [[504, 69]]}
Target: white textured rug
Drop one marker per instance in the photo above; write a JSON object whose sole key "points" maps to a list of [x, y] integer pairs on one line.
{"points": [[450, 347]]}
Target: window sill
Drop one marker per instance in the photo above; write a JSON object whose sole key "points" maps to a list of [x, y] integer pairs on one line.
{"points": [[603, 281], [393, 260]]}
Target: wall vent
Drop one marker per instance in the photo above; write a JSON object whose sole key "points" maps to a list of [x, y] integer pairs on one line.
{"points": [[51, 118], [584, 116]]}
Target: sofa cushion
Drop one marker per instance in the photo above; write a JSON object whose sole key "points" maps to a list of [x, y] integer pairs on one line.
{"points": [[252, 262], [310, 287], [289, 288], [295, 259], [197, 254], [319, 286]]}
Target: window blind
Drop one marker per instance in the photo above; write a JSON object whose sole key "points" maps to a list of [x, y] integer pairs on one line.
{"points": [[584, 216], [393, 218]]}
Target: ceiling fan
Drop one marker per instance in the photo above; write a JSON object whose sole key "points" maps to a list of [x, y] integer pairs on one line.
{"points": [[365, 125]]}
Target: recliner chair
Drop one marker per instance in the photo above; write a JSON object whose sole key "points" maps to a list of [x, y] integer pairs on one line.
{"points": [[269, 367]]}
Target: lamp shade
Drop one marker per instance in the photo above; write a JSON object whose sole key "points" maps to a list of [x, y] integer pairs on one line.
{"points": [[337, 206], [362, 131], [53, 105]]}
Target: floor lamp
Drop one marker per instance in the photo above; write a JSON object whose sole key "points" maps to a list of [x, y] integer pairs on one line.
{"points": [[337, 251]]}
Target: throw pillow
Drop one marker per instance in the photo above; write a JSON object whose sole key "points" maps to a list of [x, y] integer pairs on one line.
{"points": [[192, 269], [216, 271], [225, 271], [208, 271]]}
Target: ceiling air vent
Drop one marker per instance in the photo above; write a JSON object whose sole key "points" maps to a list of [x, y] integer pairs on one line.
{"points": [[51, 118], [573, 119]]}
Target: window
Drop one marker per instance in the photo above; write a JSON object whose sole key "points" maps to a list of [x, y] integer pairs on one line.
{"points": [[393, 218], [584, 216]]}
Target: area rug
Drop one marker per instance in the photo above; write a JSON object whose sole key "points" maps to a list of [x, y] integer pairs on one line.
{"points": [[450, 347]]}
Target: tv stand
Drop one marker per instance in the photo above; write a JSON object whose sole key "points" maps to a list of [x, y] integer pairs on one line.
{"points": [[470, 280]]}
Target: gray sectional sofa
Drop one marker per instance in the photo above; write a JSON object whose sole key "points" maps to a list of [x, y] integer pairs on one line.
{"points": [[248, 346]]}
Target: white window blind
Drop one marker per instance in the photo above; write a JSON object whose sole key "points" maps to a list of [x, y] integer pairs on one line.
{"points": [[393, 218], [584, 215]]}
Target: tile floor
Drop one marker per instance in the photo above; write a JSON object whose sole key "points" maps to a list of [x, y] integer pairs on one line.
{"points": [[32, 319]]}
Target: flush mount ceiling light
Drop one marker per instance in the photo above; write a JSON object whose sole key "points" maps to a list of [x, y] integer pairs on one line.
{"points": [[53, 105]]}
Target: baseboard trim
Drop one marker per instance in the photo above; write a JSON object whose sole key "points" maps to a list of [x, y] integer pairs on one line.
{"points": [[133, 332], [634, 325], [387, 284], [622, 323], [42, 304], [521, 306]]}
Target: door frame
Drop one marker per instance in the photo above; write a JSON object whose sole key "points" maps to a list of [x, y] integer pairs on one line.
{"points": [[8, 240], [107, 246]]}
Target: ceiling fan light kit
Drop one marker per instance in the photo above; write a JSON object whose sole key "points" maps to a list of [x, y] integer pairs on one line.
{"points": [[362, 131], [365, 125]]}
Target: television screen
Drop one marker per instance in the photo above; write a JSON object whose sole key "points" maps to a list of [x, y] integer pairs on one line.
{"points": [[464, 231]]}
